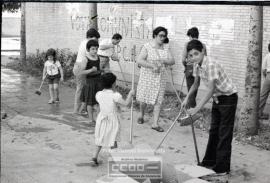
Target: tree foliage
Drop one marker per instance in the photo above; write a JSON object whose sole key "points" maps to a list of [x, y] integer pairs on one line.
{"points": [[11, 6]]}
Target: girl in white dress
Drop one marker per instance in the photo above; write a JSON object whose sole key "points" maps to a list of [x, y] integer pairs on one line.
{"points": [[107, 125]]}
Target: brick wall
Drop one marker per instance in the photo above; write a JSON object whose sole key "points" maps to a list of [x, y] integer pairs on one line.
{"points": [[223, 28], [55, 25]]}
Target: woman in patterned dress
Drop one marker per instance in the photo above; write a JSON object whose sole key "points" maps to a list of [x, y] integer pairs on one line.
{"points": [[152, 82]]}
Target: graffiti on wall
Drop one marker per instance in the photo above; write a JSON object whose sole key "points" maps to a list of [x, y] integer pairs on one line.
{"points": [[129, 27]]}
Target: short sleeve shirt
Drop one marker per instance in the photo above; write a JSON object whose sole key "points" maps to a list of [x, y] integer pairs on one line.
{"points": [[107, 100], [107, 52], [210, 70], [52, 68]]}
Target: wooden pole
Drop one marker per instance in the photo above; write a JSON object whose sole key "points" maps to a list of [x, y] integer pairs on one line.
{"points": [[23, 35], [132, 101], [249, 122]]}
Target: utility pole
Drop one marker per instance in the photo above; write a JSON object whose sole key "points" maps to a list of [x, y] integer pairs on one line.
{"points": [[249, 121], [93, 16], [23, 35]]}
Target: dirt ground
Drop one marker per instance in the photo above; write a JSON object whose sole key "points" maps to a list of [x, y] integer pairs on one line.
{"points": [[44, 143]]}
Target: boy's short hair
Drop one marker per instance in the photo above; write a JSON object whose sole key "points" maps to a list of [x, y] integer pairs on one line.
{"points": [[117, 36], [193, 32], [51, 52], [92, 33], [269, 47], [91, 43], [108, 79], [194, 44], [159, 29]]}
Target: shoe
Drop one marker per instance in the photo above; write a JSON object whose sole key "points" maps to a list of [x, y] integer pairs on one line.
{"points": [[51, 101], [57, 100], [158, 129], [94, 162], [140, 120]]}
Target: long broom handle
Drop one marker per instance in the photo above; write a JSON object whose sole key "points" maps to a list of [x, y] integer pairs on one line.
{"points": [[192, 127], [122, 73], [182, 82], [168, 131], [132, 101], [42, 81], [171, 81]]}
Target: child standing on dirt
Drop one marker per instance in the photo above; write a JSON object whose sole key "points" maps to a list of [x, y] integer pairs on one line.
{"points": [[107, 127], [54, 72], [93, 82], [224, 92]]}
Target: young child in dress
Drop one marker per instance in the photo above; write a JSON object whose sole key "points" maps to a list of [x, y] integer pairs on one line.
{"points": [[107, 126], [93, 82], [54, 72]]}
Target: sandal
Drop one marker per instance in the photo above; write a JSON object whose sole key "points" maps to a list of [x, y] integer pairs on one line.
{"points": [[94, 162], [140, 120], [158, 129]]}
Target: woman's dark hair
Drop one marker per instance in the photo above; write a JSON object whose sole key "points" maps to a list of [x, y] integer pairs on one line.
{"points": [[91, 43], [193, 32], [195, 44], [166, 40], [51, 52], [157, 30], [117, 36], [92, 33], [108, 79]]}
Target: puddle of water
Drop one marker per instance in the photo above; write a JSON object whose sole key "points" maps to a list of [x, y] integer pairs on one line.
{"points": [[54, 146], [87, 164], [83, 164], [34, 129]]}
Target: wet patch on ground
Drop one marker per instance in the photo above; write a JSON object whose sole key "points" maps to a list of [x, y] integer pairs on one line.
{"points": [[33, 129], [54, 146]]}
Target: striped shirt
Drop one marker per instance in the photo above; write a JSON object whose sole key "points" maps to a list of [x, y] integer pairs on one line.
{"points": [[210, 71]]}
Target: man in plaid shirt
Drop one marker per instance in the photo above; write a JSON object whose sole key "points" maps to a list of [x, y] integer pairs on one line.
{"points": [[224, 93]]}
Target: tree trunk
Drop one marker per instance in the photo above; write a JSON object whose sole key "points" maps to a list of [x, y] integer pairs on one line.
{"points": [[93, 16], [23, 38], [249, 122]]}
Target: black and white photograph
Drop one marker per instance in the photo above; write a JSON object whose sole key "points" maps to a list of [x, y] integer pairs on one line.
{"points": [[146, 91]]}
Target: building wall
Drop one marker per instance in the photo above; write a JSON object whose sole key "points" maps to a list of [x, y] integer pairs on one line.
{"points": [[223, 28]]}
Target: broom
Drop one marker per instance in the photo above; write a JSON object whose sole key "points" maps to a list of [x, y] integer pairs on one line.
{"points": [[38, 92], [130, 145], [187, 120]]}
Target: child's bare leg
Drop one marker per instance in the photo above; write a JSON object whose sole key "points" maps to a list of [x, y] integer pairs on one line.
{"points": [[97, 151], [51, 92], [56, 91], [90, 112], [82, 107]]}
